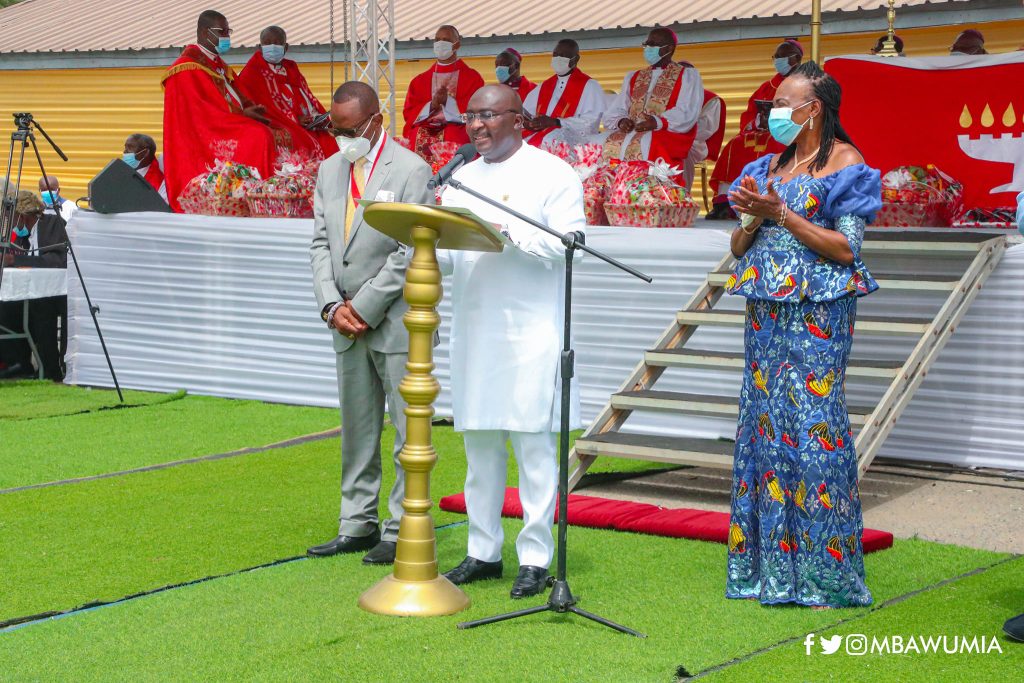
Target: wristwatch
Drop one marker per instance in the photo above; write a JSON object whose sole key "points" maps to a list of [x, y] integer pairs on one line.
{"points": [[325, 313]]}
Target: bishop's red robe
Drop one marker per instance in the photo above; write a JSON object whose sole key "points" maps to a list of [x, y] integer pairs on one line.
{"points": [[461, 81], [283, 90], [750, 143], [203, 122]]}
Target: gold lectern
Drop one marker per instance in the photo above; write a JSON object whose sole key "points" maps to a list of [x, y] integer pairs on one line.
{"points": [[415, 588]]}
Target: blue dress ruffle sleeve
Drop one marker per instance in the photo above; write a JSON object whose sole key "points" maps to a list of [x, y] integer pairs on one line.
{"points": [[778, 267]]}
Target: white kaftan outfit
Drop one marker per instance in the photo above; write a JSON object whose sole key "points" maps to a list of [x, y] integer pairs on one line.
{"points": [[581, 126], [506, 339], [680, 118]]}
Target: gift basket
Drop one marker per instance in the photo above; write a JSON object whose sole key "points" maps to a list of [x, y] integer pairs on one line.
{"points": [[440, 154], [913, 196], [221, 191], [289, 192], [646, 195]]}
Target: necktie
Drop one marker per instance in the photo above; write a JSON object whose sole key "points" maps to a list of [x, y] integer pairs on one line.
{"points": [[357, 177]]}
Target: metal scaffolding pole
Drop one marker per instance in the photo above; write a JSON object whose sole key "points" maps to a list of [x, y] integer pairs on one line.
{"points": [[371, 38], [816, 31]]}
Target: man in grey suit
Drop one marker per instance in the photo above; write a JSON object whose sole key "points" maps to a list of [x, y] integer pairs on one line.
{"points": [[358, 275]]}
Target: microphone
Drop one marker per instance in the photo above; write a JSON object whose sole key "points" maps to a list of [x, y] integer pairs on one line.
{"points": [[463, 154]]}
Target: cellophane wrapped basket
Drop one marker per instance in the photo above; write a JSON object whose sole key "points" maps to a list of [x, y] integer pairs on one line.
{"points": [[221, 191], [441, 153], [913, 196], [286, 194], [646, 195]]}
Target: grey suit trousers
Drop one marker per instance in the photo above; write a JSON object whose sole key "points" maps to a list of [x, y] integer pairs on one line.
{"points": [[365, 378]]}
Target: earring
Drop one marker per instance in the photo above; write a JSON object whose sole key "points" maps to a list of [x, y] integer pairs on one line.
{"points": [[812, 123]]}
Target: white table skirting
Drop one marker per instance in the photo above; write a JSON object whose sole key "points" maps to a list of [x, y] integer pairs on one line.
{"points": [[33, 283], [224, 307]]}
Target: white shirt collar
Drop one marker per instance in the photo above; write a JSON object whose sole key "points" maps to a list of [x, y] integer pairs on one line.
{"points": [[212, 55], [142, 170], [372, 154]]}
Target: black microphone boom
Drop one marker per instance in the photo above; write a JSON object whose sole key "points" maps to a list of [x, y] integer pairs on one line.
{"points": [[463, 155]]}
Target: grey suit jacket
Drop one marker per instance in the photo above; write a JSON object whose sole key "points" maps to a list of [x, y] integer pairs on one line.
{"points": [[370, 269]]}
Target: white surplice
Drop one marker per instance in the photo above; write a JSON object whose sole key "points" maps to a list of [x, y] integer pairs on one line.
{"points": [[584, 123], [506, 333]]}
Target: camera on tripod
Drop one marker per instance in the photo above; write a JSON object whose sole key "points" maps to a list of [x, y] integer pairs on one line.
{"points": [[23, 120]]}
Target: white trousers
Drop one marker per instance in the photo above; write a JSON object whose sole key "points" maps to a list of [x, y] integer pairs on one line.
{"points": [[486, 467]]}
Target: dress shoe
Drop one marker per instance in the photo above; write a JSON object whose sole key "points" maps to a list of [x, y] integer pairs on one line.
{"points": [[531, 581], [472, 570], [382, 553], [17, 371], [345, 544], [1014, 628], [721, 212]]}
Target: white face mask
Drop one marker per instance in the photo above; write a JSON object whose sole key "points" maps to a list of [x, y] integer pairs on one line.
{"points": [[560, 65], [355, 148], [443, 49]]}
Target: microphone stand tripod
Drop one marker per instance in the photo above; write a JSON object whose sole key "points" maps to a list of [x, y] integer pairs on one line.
{"points": [[25, 136], [561, 599]]}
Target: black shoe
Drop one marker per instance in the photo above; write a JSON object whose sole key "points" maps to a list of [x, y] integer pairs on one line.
{"points": [[721, 211], [345, 544], [17, 371], [382, 553], [1014, 628], [531, 581], [472, 570]]}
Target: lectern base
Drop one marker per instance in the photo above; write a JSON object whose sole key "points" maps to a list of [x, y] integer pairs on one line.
{"points": [[434, 598]]}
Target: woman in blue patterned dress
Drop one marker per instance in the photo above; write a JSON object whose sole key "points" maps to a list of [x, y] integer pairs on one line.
{"points": [[795, 531]]}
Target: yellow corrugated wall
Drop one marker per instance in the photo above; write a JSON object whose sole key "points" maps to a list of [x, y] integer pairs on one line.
{"points": [[89, 112]]}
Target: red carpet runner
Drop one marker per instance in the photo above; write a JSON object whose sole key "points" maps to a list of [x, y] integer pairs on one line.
{"points": [[643, 518]]}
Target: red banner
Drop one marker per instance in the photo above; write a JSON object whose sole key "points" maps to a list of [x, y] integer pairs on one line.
{"points": [[963, 114]]}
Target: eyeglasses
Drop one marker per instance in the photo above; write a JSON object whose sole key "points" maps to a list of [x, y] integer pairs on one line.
{"points": [[484, 116], [352, 132], [222, 31]]}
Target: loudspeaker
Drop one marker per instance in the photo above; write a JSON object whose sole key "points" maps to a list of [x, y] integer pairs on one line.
{"points": [[119, 189]]}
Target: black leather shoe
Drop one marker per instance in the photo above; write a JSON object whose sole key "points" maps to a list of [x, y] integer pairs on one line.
{"points": [[382, 553], [1014, 628], [720, 212], [472, 570], [531, 581], [345, 544]]}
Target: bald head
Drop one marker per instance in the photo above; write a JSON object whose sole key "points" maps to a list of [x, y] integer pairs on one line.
{"points": [[359, 91], [49, 182], [273, 35], [448, 32], [969, 42], [500, 136], [210, 19]]}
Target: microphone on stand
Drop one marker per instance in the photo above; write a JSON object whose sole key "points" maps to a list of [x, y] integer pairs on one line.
{"points": [[463, 155]]}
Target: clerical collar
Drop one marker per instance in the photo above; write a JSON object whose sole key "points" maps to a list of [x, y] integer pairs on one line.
{"points": [[438, 66], [212, 56]]}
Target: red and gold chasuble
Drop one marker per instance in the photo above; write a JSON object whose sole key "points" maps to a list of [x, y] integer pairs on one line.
{"points": [[203, 121], [669, 146], [283, 90], [461, 82], [565, 107]]}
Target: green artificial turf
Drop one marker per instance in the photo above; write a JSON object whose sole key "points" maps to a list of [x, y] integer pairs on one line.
{"points": [[33, 399], [973, 607], [55, 448], [299, 621]]}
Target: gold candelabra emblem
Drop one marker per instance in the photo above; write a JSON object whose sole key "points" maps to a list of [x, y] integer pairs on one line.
{"points": [[889, 44]]}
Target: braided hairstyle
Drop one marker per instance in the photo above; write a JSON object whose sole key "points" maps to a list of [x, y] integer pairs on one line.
{"points": [[828, 91]]}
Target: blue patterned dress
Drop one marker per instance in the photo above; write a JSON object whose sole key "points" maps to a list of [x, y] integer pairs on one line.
{"points": [[796, 524]]}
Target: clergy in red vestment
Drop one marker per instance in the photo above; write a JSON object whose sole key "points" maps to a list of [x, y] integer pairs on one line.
{"points": [[208, 117], [753, 141], [566, 107], [506, 69], [655, 113], [438, 97], [140, 153], [276, 83]]}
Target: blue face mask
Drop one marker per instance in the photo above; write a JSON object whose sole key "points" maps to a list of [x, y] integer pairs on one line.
{"points": [[782, 65], [503, 73], [49, 197], [652, 54], [130, 159], [22, 231], [272, 53], [223, 43], [1020, 213], [781, 125]]}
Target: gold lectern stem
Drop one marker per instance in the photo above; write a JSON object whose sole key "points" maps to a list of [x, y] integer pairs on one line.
{"points": [[415, 589], [816, 31]]}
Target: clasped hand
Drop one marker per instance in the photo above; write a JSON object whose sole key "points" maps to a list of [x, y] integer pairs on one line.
{"points": [[644, 124], [748, 199], [348, 322], [256, 112]]}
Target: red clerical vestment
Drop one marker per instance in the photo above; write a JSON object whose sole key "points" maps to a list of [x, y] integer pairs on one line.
{"points": [[283, 90], [751, 143], [461, 82], [154, 175], [203, 122], [566, 106], [524, 87]]}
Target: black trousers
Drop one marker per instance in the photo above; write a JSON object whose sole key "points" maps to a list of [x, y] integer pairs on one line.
{"points": [[47, 323]]}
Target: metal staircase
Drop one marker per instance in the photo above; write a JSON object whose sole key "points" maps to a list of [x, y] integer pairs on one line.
{"points": [[967, 260]]}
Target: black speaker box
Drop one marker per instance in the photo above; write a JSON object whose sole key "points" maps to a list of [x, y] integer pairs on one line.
{"points": [[119, 189]]}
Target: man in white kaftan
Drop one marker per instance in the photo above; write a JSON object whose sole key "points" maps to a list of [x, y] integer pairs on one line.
{"points": [[506, 338]]}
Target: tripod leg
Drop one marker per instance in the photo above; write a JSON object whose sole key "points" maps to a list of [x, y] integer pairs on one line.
{"points": [[503, 617], [605, 622]]}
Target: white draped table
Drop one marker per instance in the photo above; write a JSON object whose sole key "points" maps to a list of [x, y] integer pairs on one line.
{"points": [[224, 306], [23, 284]]}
